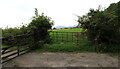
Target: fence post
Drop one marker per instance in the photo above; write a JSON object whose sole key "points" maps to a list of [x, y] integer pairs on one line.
{"points": [[18, 51], [57, 36], [77, 38], [72, 36], [62, 36], [67, 37], [53, 34]]}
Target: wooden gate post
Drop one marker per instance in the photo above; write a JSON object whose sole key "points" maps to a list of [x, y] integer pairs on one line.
{"points": [[18, 51], [72, 36], [67, 36], [77, 38], [62, 36]]}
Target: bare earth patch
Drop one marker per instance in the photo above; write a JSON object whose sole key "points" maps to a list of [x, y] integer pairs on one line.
{"points": [[48, 59]]}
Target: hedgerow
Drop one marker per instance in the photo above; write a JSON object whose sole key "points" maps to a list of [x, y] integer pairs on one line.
{"points": [[103, 27]]}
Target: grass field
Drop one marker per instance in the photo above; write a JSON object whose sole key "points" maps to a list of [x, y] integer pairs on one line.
{"points": [[65, 34], [58, 45], [62, 46], [68, 30], [67, 42]]}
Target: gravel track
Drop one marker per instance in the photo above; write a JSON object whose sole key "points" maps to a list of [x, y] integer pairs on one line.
{"points": [[48, 59]]}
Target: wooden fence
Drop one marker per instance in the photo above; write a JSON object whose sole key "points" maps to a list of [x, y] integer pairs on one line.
{"points": [[12, 47], [18, 45]]}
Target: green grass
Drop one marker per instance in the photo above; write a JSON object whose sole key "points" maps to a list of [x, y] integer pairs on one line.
{"points": [[14, 47], [65, 36], [58, 45], [68, 30], [61, 46], [83, 46]]}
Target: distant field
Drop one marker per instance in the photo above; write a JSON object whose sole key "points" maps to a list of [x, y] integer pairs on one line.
{"points": [[68, 30], [57, 34], [67, 42]]}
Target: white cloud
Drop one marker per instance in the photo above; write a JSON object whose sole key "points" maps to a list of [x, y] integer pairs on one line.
{"points": [[14, 12]]}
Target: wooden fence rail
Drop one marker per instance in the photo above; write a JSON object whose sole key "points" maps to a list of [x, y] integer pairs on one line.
{"points": [[18, 45], [12, 47]]}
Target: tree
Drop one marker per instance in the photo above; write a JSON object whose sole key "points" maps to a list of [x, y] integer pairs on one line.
{"points": [[36, 12], [103, 28], [39, 29]]}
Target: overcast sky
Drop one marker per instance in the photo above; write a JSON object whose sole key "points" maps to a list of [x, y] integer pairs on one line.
{"points": [[15, 12]]}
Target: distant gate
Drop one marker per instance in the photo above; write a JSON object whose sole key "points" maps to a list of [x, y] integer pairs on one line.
{"points": [[66, 36]]}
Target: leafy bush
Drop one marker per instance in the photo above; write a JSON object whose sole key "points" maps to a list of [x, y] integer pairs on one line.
{"points": [[36, 32], [39, 29], [14, 31], [103, 28]]}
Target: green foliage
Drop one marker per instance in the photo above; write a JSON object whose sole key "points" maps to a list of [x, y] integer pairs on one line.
{"points": [[35, 34], [103, 28], [39, 29], [58, 45], [9, 32], [14, 31], [84, 46], [63, 46]]}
